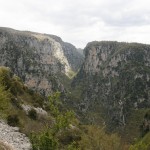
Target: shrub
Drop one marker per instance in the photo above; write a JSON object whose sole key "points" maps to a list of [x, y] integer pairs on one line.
{"points": [[142, 144], [48, 139], [44, 141], [4, 98], [13, 120], [32, 114], [16, 102], [73, 146], [96, 139]]}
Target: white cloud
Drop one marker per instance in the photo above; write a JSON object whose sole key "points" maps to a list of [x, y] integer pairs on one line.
{"points": [[79, 22]]}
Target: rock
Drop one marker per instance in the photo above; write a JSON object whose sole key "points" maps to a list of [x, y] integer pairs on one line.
{"points": [[39, 110], [12, 138]]}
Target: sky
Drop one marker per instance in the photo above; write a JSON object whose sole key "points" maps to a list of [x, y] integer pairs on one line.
{"points": [[80, 21]]}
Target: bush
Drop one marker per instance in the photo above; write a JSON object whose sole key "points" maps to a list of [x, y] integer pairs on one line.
{"points": [[96, 138], [44, 141], [73, 146], [32, 114], [4, 97], [48, 139], [142, 144], [15, 102], [13, 120]]}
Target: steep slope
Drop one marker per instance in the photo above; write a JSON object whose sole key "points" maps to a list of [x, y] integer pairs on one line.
{"points": [[14, 94], [48, 125], [38, 59], [24, 113], [115, 79]]}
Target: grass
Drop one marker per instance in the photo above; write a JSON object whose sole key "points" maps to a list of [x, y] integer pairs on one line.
{"points": [[142, 144]]}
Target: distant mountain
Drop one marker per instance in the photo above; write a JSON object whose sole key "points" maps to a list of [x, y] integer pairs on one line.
{"points": [[38, 59], [80, 50], [113, 81]]}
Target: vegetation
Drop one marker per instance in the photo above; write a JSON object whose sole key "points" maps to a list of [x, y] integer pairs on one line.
{"points": [[134, 125], [13, 120], [44, 141], [4, 93], [61, 136], [48, 139], [97, 139], [142, 144], [32, 114], [11, 102], [61, 130]]}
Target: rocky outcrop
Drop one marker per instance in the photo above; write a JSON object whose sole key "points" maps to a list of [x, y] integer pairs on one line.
{"points": [[74, 57], [38, 59], [11, 138], [38, 110], [115, 78]]}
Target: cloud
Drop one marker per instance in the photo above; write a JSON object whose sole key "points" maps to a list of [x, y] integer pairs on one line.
{"points": [[80, 22]]}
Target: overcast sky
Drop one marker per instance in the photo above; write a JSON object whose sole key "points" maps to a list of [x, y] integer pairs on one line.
{"points": [[80, 21]]}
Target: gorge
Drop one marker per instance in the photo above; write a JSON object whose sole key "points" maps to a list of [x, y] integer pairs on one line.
{"points": [[108, 85]]}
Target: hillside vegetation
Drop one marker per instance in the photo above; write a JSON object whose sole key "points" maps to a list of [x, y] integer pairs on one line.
{"points": [[59, 129]]}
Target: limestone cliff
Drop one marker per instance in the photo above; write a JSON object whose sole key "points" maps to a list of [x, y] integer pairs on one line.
{"points": [[114, 78], [39, 59]]}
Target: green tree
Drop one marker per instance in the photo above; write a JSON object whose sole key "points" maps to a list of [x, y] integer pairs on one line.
{"points": [[44, 141], [48, 140]]}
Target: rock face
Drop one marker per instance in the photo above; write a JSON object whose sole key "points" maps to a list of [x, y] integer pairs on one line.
{"points": [[80, 51], [115, 78], [11, 137], [38, 59], [38, 110]]}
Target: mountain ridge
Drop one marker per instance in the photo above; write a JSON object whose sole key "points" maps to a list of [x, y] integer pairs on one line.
{"points": [[108, 87], [112, 77], [38, 58]]}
